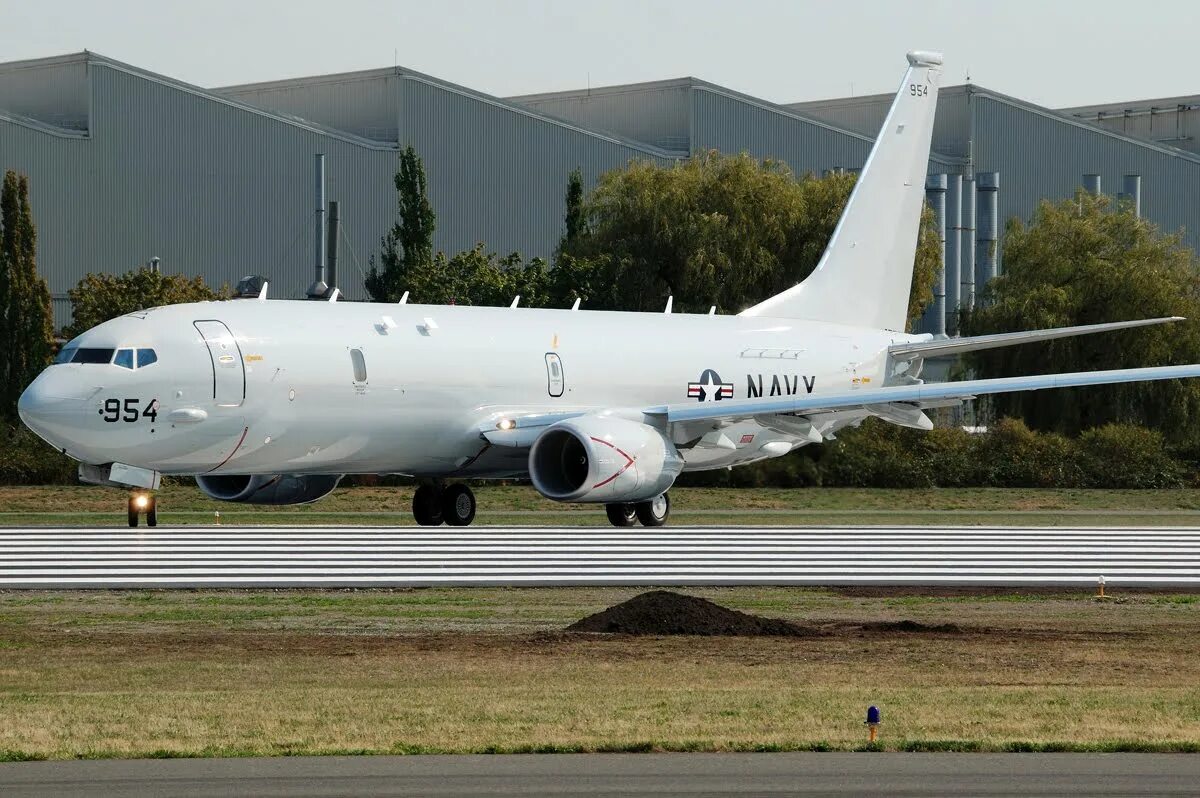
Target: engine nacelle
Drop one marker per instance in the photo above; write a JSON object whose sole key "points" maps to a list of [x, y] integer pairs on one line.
{"points": [[603, 459], [271, 489]]}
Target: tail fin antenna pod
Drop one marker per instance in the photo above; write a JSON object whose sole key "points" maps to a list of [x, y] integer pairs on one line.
{"points": [[864, 276]]}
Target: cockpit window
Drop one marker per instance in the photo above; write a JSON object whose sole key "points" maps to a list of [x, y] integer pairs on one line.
{"points": [[66, 354], [90, 355], [124, 359], [145, 357]]}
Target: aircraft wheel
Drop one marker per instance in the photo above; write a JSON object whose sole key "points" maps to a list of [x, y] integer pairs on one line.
{"points": [[152, 512], [458, 505], [655, 511], [621, 514], [133, 515], [427, 506]]}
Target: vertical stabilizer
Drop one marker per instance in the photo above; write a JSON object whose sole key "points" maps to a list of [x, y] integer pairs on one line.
{"points": [[865, 275]]}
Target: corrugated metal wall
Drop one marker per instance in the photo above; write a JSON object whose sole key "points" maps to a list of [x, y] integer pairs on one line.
{"points": [[499, 174], [656, 113], [864, 115], [52, 90], [730, 124], [217, 188], [1043, 156], [365, 104]]}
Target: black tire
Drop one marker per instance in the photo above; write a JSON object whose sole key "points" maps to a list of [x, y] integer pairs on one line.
{"points": [[427, 506], [152, 513], [655, 511], [458, 505], [621, 514], [133, 515]]}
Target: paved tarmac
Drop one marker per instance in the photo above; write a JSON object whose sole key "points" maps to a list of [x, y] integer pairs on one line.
{"points": [[613, 775], [278, 557]]}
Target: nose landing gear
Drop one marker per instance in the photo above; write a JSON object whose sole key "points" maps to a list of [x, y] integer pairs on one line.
{"points": [[453, 505], [143, 503]]}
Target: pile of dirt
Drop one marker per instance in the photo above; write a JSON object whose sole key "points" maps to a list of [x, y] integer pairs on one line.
{"points": [[661, 612], [910, 627]]}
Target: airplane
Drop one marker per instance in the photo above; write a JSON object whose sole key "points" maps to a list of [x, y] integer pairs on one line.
{"points": [[272, 402]]}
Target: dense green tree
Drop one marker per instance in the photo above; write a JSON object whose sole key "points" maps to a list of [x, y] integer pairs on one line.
{"points": [[574, 218], [408, 246], [28, 320], [1080, 262], [716, 229], [476, 277], [100, 297]]}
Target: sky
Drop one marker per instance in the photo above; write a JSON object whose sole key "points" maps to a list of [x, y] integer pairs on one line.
{"points": [[1053, 52]]}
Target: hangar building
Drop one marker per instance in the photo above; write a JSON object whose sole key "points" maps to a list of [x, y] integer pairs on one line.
{"points": [[127, 165]]}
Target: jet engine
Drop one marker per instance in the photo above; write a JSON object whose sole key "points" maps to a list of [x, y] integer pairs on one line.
{"points": [[603, 459], [269, 489]]}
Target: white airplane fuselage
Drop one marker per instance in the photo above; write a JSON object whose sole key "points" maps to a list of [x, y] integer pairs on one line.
{"points": [[282, 395]]}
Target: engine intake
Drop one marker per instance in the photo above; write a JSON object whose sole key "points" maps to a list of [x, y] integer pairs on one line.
{"points": [[268, 489], [603, 459]]}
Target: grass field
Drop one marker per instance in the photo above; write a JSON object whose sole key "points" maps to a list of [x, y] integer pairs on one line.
{"points": [[184, 505], [98, 674]]}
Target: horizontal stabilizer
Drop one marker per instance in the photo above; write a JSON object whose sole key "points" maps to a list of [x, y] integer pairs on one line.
{"points": [[954, 346], [918, 393]]}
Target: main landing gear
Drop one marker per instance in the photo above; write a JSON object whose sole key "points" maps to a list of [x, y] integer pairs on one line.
{"points": [[452, 504], [140, 503], [651, 513]]}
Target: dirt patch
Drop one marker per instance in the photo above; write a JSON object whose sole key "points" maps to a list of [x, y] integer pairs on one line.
{"points": [[907, 627], [662, 612]]}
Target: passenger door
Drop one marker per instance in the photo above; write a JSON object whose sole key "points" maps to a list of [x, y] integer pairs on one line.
{"points": [[228, 369]]}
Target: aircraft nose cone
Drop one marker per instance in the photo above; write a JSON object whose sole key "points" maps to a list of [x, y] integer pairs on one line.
{"points": [[52, 406], [32, 405]]}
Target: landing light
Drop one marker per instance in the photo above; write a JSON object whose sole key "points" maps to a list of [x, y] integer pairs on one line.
{"points": [[141, 501], [506, 424]]}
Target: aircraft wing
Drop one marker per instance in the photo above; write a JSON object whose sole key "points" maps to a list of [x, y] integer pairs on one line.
{"points": [[954, 346], [920, 394]]}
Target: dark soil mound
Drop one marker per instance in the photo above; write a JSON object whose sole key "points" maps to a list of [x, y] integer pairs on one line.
{"points": [[911, 627], [661, 612]]}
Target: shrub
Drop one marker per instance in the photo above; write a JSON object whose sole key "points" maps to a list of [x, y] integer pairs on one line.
{"points": [[1014, 456], [25, 459], [1127, 456]]}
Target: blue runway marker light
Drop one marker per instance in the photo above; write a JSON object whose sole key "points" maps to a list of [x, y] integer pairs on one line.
{"points": [[872, 723]]}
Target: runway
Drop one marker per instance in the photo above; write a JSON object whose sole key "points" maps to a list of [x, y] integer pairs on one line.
{"points": [[616, 775], [270, 557]]}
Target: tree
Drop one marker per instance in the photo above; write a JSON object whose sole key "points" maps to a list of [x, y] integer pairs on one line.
{"points": [[574, 217], [408, 246], [1079, 262], [716, 229], [100, 297], [28, 319], [9, 207]]}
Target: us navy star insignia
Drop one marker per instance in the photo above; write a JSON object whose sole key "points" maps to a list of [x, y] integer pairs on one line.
{"points": [[709, 388]]}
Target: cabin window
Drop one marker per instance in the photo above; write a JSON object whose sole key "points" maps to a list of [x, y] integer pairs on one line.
{"points": [[360, 365], [124, 359], [92, 355]]}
